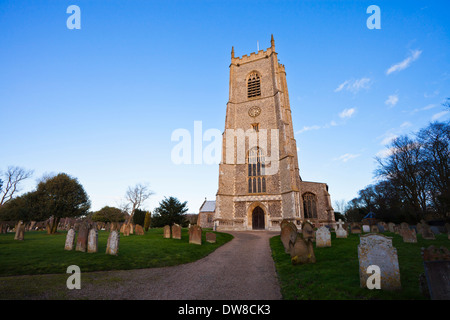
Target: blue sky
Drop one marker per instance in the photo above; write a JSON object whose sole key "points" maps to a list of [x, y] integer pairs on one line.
{"points": [[101, 103]]}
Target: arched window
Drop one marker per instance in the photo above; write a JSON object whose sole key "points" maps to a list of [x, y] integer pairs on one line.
{"points": [[253, 85], [310, 205], [256, 168]]}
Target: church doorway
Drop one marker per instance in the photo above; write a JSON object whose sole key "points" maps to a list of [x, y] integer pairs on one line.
{"points": [[258, 219]]}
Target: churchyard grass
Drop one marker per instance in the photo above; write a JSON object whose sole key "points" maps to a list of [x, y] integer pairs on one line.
{"points": [[40, 253], [335, 275]]}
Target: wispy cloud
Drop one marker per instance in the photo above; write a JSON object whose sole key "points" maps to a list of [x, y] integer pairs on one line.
{"points": [[388, 137], [347, 113], [439, 115], [308, 128], [354, 85], [392, 100], [384, 153], [405, 124], [346, 157], [427, 107], [414, 55]]}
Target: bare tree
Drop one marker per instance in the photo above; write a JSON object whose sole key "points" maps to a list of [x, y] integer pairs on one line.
{"points": [[137, 195], [12, 178]]}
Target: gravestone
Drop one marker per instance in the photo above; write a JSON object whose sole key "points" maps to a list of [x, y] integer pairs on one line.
{"points": [[283, 223], [427, 234], [93, 241], [126, 229], [408, 235], [176, 231], [166, 230], [404, 225], [195, 235], [340, 232], [437, 272], [366, 228], [302, 251], [381, 227], [210, 237], [112, 247], [70, 239], [307, 231], [374, 229], [82, 238], [323, 237], [377, 249], [20, 231], [391, 226], [139, 230], [288, 234], [355, 228]]}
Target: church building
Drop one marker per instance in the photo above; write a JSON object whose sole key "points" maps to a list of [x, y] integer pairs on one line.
{"points": [[259, 178]]}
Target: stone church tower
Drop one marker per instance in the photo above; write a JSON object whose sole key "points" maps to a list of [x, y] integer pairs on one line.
{"points": [[259, 179]]}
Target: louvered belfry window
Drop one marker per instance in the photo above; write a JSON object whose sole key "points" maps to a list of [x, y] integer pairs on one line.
{"points": [[254, 85]]}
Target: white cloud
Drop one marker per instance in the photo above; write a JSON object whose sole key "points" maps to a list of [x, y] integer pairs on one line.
{"points": [[405, 63], [347, 113], [439, 115], [384, 153], [308, 128], [388, 137], [406, 124], [392, 100], [354, 85], [347, 156]]}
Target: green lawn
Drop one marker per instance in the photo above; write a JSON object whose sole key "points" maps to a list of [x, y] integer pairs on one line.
{"points": [[335, 275], [40, 253]]}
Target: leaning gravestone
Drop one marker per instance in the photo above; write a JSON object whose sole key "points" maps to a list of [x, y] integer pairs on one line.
{"points": [[408, 235], [437, 272], [307, 231], [20, 231], [113, 243], [166, 232], [323, 237], [288, 234], [210, 237], [93, 241], [377, 249], [195, 235], [340, 232], [302, 251], [82, 238], [70, 239], [176, 231]]}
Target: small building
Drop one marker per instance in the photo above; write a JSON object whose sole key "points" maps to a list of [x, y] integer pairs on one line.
{"points": [[206, 214]]}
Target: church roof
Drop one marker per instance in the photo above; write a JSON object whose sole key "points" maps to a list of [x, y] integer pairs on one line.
{"points": [[208, 206]]}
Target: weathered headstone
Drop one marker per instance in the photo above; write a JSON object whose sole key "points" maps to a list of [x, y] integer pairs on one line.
{"points": [[195, 234], [82, 238], [408, 235], [126, 229], [437, 272], [113, 243], [176, 231], [377, 249], [381, 227], [288, 234], [323, 237], [374, 229], [341, 232], [307, 231], [355, 228], [427, 234], [391, 226], [70, 239], [139, 230], [302, 251], [404, 225], [210, 237], [166, 231], [20, 231], [366, 228], [93, 241]]}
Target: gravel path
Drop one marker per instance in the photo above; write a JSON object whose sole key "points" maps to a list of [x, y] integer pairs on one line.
{"points": [[242, 269]]}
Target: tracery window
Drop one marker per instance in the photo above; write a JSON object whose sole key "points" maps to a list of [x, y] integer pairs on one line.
{"points": [[256, 171], [310, 205]]}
